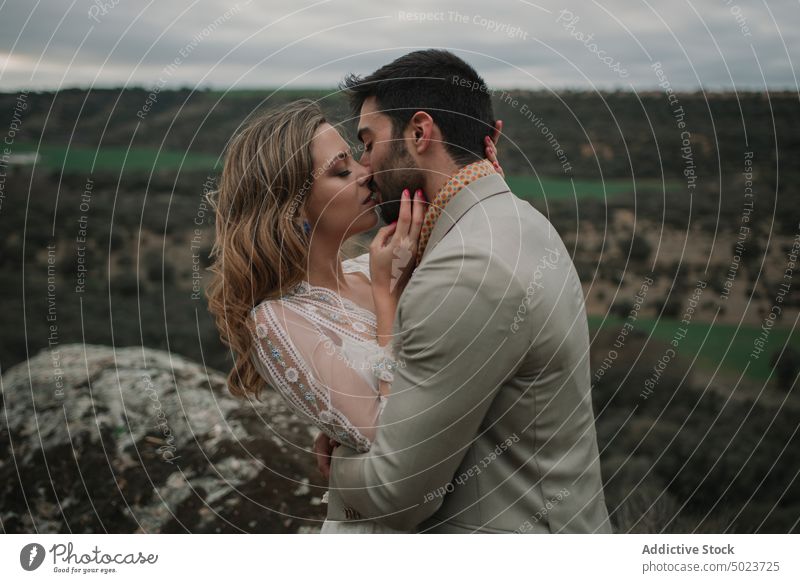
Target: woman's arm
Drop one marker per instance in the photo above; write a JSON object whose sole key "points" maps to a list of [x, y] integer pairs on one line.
{"points": [[304, 364], [385, 309]]}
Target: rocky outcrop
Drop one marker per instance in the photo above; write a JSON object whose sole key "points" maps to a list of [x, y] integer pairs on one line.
{"points": [[95, 439]]}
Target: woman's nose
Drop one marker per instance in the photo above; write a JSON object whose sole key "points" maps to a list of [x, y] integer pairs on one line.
{"points": [[363, 180]]}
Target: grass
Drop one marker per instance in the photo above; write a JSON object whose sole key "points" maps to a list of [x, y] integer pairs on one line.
{"points": [[80, 159], [712, 350], [559, 188], [115, 158]]}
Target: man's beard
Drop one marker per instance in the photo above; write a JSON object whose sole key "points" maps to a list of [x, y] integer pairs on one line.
{"points": [[399, 172]]}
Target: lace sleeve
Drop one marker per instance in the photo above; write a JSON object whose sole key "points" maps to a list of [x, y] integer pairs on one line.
{"points": [[303, 361]]}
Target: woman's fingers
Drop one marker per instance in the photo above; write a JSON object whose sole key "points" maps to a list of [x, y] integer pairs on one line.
{"points": [[489, 149], [491, 154], [417, 215], [383, 235], [498, 130], [404, 218], [491, 145]]}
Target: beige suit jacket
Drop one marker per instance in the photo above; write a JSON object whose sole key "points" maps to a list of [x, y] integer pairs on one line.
{"points": [[489, 425]]}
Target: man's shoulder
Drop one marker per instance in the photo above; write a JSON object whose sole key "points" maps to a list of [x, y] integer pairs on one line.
{"points": [[499, 231], [504, 206], [461, 277]]}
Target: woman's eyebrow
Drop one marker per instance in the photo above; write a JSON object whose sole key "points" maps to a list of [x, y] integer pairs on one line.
{"points": [[340, 156]]}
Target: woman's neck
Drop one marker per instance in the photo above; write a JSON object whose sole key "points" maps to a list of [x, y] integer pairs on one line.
{"points": [[325, 264]]}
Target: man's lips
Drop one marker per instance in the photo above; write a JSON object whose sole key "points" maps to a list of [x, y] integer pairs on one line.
{"points": [[374, 190], [374, 194]]}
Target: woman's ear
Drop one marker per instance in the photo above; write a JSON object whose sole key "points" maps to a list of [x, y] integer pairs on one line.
{"points": [[422, 131], [305, 225]]}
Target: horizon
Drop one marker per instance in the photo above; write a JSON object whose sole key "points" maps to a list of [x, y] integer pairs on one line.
{"points": [[331, 91]]}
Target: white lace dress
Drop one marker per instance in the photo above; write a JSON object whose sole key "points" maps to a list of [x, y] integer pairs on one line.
{"points": [[318, 350]]}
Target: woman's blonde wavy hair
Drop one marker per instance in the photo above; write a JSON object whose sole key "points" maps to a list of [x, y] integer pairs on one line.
{"points": [[261, 248]]}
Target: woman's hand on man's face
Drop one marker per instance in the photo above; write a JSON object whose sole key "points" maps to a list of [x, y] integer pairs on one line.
{"points": [[392, 254]]}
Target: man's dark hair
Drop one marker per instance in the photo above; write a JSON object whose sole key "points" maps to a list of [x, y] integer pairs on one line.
{"points": [[438, 83]]}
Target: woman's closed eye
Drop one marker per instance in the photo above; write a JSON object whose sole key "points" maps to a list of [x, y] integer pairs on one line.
{"points": [[344, 173]]}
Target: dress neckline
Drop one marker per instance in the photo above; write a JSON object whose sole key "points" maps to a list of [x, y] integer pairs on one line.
{"points": [[305, 287]]}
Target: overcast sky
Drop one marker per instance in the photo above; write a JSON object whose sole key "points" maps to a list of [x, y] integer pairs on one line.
{"points": [[713, 44]]}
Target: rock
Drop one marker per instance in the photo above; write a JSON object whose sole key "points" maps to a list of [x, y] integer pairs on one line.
{"points": [[96, 439]]}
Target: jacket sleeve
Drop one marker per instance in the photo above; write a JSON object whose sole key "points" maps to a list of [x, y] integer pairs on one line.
{"points": [[454, 349]]}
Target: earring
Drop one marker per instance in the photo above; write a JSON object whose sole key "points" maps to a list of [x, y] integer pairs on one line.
{"points": [[306, 227]]}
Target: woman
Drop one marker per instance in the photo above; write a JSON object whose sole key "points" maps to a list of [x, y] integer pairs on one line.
{"points": [[295, 315]]}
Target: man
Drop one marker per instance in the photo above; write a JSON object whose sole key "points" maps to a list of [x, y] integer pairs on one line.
{"points": [[489, 425]]}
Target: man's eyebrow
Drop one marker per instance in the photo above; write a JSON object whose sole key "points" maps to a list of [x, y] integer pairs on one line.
{"points": [[362, 131]]}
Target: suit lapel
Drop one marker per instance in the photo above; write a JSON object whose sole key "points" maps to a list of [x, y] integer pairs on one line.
{"points": [[464, 200]]}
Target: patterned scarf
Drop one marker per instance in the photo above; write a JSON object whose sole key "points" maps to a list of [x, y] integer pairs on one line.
{"points": [[467, 174]]}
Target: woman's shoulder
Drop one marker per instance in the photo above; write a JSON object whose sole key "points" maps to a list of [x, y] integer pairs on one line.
{"points": [[294, 294], [264, 306], [260, 314], [281, 315], [266, 311], [359, 264]]}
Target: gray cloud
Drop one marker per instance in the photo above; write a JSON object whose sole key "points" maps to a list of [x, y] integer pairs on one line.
{"points": [[513, 43]]}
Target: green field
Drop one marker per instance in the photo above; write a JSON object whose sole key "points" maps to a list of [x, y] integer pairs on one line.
{"points": [[116, 158], [711, 350], [532, 188], [113, 158]]}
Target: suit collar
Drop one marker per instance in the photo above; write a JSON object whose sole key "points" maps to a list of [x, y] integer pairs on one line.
{"points": [[467, 197]]}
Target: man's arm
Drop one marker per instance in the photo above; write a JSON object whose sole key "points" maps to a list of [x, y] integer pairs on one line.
{"points": [[454, 350]]}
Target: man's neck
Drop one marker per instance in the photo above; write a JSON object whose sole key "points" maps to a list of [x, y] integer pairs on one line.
{"points": [[437, 177]]}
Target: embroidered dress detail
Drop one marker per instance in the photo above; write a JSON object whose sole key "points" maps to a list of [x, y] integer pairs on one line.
{"points": [[318, 350]]}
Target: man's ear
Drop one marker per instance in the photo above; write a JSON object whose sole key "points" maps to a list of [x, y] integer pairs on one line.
{"points": [[423, 132]]}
